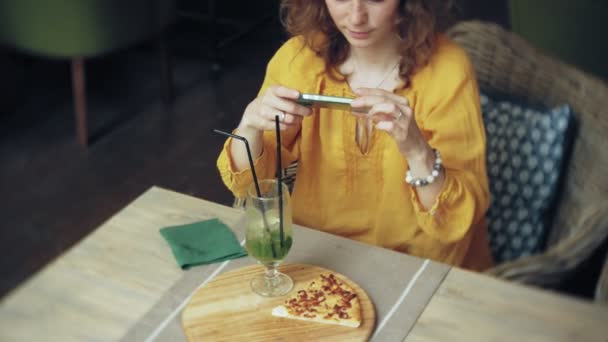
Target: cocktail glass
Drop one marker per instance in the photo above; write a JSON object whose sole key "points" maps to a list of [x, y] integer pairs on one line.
{"points": [[264, 240]]}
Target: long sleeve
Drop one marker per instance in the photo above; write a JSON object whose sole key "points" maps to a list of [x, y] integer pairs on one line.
{"points": [[265, 164], [448, 113], [280, 71]]}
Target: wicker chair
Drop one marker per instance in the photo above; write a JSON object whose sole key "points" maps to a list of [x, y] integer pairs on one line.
{"points": [[507, 64]]}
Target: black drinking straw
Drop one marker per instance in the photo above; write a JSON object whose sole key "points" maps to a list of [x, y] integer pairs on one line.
{"points": [[279, 179], [255, 182]]}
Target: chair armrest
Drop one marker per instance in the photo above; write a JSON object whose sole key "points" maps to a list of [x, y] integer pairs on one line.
{"points": [[550, 268], [601, 291]]}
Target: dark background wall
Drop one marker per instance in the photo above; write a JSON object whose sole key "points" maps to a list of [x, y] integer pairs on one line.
{"points": [[487, 10], [14, 65]]}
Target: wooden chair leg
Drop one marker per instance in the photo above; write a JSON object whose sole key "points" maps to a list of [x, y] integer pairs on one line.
{"points": [[80, 100]]}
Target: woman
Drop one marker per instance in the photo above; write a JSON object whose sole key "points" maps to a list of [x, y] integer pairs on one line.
{"points": [[420, 185]]}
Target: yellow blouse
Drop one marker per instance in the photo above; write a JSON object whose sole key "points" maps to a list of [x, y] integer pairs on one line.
{"points": [[365, 197]]}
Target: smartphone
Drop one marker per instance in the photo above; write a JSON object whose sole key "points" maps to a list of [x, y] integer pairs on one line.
{"points": [[324, 101]]}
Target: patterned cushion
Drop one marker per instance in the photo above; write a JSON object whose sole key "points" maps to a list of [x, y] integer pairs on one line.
{"points": [[526, 148]]}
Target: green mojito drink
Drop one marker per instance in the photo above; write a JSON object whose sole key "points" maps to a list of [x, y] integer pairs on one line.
{"points": [[264, 243], [269, 235]]}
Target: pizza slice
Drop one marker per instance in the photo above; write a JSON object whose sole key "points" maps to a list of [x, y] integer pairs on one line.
{"points": [[326, 300]]}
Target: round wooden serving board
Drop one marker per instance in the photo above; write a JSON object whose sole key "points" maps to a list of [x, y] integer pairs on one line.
{"points": [[226, 309]]}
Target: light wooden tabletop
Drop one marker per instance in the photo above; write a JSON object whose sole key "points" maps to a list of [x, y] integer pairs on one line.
{"points": [[473, 307], [104, 284], [122, 282]]}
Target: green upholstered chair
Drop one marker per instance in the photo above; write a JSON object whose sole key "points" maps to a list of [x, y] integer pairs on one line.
{"points": [[78, 29]]}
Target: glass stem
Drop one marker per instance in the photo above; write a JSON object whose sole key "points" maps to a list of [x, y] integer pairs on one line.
{"points": [[271, 275]]}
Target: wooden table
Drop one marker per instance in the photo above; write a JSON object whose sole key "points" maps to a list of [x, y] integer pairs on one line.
{"points": [[473, 307], [122, 282]]}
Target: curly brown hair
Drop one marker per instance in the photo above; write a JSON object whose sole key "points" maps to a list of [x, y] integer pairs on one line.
{"points": [[418, 24]]}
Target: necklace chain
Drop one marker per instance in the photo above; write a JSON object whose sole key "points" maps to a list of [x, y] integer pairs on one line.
{"points": [[387, 74], [385, 77]]}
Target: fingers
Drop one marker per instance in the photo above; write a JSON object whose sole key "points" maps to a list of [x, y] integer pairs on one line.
{"points": [[277, 101], [282, 98], [284, 92], [385, 111], [366, 102], [391, 112], [380, 104], [387, 126], [381, 109], [271, 114], [267, 115], [287, 106], [381, 93]]}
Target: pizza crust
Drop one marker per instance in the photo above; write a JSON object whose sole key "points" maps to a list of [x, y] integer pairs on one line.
{"points": [[281, 311]]}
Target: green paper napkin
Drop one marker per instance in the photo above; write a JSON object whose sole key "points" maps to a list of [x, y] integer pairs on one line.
{"points": [[202, 243]]}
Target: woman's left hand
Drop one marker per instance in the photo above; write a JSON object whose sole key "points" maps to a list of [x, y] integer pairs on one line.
{"points": [[393, 114]]}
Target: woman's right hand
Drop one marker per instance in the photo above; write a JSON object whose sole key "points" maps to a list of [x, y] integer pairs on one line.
{"points": [[277, 100]]}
